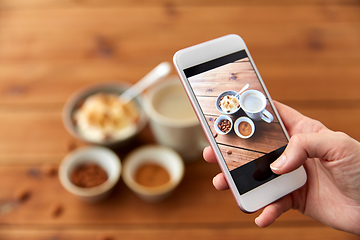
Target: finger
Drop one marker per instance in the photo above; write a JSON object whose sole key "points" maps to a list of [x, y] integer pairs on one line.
{"points": [[290, 117], [209, 155], [273, 211], [295, 122], [219, 182], [323, 145]]}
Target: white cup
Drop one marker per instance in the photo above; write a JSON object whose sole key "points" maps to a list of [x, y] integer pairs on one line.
{"points": [[172, 119], [253, 103]]}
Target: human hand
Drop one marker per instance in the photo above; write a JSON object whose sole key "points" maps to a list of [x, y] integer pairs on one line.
{"points": [[332, 162]]}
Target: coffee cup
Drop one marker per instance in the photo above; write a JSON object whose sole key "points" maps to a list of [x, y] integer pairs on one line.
{"points": [[253, 103], [172, 119]]}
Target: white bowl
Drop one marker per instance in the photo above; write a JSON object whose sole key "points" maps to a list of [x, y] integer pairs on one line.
{"points": [[101, 156], [72, 104], [240, 120], [217, 129], [161, 155], [223, 94]]}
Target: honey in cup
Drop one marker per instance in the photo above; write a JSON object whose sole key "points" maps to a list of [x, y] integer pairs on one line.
{"points": [[245, 128], [152, 175]]}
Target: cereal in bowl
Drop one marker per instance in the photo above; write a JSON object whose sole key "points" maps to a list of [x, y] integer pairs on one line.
{"points": [[229, 103], [103, 117]]}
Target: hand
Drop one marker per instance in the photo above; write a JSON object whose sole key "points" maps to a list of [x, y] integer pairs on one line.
{"points": [[332, 162]]}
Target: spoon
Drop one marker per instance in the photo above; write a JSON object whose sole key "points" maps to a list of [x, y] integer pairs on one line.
{"points": [[243, 89], [158, 72]]}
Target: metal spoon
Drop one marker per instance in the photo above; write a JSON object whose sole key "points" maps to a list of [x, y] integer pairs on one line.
{"points": [[160, 71], [243, 89]]}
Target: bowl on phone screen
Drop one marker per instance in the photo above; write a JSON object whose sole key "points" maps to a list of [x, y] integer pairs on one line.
{"points": [[244, 127], [223, 124], [227, 103]]}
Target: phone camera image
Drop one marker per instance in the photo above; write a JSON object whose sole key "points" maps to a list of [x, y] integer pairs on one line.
{"points": [[238, 112]]}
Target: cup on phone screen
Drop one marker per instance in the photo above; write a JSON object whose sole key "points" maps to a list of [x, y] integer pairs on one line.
{"points": [[172, 119], [253, 103]]}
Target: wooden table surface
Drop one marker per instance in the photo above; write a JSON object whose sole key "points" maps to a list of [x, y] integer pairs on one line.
{"points": [[308, 53]]}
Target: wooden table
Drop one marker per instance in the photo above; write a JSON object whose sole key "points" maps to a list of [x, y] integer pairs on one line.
{"points": [[308, 53]]}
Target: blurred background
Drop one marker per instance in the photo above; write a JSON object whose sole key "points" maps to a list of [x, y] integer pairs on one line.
{"points": [[307, 52]]}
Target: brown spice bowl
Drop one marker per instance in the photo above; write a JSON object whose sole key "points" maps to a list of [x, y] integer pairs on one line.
{"points": [[101, 156], [78, 98], [238, 122], [162, 156], [220, 118]]}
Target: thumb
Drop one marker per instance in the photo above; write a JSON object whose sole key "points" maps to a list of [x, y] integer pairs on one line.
{"points": [[325, 145]]}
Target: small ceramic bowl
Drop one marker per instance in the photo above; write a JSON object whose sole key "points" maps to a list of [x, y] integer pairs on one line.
{"points": [[222, 117], [101, 156], [163, 156], [223, 94], [75, 101], [240, 120]]}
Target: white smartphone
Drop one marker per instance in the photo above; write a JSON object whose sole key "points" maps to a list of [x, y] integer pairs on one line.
{"points": [[244, 129]]}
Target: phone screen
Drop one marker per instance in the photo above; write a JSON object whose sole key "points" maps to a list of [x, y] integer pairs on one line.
{"points": [[245, 127]]}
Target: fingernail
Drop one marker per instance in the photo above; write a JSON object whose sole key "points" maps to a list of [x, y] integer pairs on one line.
{"points": [[278, 163], [213, 181], [256, 219]]}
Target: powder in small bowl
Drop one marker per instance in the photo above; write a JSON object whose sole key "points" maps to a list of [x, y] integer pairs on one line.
{"points": [[152, 175], [88, 175], [245, 128]]}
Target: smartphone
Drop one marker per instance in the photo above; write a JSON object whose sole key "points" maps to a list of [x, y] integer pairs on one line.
{"points": [[239, 119]]}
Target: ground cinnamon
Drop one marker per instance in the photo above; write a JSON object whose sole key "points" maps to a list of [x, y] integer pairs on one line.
{"points": [[88, 175], [245, 129], [152, 175]]}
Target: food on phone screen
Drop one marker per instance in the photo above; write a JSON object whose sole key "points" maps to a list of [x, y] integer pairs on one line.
{"points": [[245, 129], [229, 103], [224, 125], [103, 116]]}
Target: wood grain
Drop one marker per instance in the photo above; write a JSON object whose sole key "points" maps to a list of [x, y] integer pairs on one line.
{"points": [[235, 157], [309, 49], [307, 52], [189, 204], [160, 232]]}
